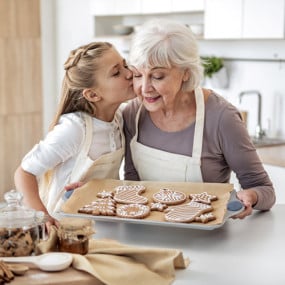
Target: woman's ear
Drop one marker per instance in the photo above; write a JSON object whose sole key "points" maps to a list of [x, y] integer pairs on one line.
{"points": [[90, 95], [186, 75]]}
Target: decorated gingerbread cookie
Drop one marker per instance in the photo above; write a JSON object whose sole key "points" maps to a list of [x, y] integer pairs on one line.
{"points": [[130, 194], [203, 197], [186, 213], [103, 207], [157, 206], [133, 211], [105, 194], [205, 218], [169, 197]]}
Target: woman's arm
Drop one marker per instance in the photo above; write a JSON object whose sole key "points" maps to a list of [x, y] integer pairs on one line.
{"points": [[242, 158]]}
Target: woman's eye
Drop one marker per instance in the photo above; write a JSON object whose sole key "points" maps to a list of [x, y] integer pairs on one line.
{"points": [[136, 75]]}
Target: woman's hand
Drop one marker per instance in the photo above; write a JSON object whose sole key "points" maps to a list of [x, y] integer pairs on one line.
{"points": [[249, 198]]}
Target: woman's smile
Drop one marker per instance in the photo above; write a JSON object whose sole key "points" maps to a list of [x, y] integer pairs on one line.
{"points": [[152, 99]]}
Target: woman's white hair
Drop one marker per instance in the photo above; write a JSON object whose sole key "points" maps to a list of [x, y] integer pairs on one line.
{"points": [[167, 44]]}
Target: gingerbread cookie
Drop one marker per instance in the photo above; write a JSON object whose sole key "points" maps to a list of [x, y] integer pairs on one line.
{"points": [[157, 206], [130, 194], [133, 211], [205, 218], [105, 194], [186, 213], [203, 197], [169, 197], [103, 207]]}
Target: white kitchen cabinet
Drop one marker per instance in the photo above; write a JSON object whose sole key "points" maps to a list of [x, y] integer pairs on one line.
{"points": [[155, 7], [277, 176], [223, 19], [187, 5], [100, 8], [264, 19], [108, 13], [244, 19], [115, 7]]}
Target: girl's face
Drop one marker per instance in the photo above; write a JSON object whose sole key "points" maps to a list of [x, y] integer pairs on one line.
{"points": [[158, 87], [113, 79]]}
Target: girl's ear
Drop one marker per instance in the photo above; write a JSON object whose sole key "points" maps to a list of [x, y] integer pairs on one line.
{"points": [[90, 95]]}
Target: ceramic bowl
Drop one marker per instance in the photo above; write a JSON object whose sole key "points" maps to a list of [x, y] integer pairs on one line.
{"points": [[123, 30]]}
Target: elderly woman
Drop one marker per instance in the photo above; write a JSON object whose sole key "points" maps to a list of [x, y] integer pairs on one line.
{"points": [[178, 131]]}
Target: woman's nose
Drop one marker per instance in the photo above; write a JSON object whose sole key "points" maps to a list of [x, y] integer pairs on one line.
{"points": [[146, 86]]}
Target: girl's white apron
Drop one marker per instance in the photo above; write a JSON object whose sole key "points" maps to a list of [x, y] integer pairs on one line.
{"points": [[157, 165], [85, 169]]}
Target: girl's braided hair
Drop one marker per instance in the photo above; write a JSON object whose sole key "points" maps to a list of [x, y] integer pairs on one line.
{"points": [[80, 73]]}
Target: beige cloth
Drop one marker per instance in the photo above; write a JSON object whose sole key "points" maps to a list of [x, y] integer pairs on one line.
{"points": [[114, 263]]}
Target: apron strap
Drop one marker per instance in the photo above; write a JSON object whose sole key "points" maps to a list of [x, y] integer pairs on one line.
{"points": [[86, 144], [199, 124]]}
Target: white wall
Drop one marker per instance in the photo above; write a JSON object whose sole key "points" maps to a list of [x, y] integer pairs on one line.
{"points": [[71, 25], [65, 26], [265, 76]]}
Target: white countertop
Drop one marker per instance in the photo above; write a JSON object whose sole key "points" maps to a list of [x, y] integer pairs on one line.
{"points": [[249, 251], [242, 252]]}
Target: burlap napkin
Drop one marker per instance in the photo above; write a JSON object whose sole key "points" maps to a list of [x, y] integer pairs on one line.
{"points": [[114, 263]]}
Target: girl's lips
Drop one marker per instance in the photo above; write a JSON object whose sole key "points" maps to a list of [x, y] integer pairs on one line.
{"points": [[151, 99]]}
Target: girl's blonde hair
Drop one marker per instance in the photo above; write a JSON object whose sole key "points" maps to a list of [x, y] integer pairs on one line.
{"points": [[80, 73]]}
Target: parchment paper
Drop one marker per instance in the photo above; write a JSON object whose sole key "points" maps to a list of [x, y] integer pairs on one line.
{"points": [[87, 193]]}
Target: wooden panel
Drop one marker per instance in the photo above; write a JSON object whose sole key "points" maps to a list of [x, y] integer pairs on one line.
{"points": [[20, 85], [27, 18], [2, 78], [22, 80], [2, 161], [7, 18], [19, 134]]}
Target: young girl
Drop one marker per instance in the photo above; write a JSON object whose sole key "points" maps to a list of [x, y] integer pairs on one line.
{"points": [[85, 140]]}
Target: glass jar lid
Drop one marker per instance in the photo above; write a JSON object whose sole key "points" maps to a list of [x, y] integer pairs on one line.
{"points": [[15, 215]]}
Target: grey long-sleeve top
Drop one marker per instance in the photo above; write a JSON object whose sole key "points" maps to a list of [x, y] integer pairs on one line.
{"points": [[226, 147]]}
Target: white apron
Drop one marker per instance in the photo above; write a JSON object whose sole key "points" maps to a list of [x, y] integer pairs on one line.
{"points": [[158, 165], [85, 169]]}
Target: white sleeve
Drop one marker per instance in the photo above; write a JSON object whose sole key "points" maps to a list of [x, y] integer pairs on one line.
{"points": [[60, 144]]}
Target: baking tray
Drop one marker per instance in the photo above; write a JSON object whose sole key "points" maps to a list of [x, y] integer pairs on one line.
{"points": [[87, 193]]}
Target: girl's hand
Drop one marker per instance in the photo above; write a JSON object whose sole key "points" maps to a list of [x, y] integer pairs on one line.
{"points": [[73, 185], [49, 221]]}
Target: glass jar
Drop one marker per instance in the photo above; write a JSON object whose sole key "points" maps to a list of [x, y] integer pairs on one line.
{"points": [[74, 233], [20, 227]]}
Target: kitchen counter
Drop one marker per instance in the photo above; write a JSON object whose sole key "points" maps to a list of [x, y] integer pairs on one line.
{"points": [[249, 251], [273, 155]]}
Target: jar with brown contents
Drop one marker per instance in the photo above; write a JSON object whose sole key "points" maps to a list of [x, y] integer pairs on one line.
{"points": [[19, 227], [74, 235]]}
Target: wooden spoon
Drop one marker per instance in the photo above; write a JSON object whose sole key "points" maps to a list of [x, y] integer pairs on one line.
{"points": [[18, 269]]}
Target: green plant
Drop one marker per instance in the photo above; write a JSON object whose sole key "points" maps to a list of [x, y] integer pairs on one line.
{"points": [[212, 64]]}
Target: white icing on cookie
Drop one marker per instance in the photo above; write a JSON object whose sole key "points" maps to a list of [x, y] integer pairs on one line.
{"points": [[130, 194], [186, 213], [169, 197], [133, 211]]}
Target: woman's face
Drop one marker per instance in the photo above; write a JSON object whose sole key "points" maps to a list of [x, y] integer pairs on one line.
{"points": [[158, 87], [113, 78]]}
